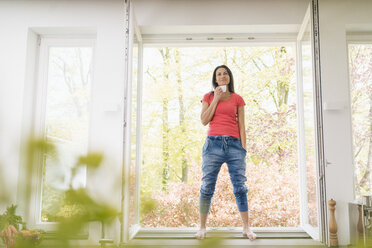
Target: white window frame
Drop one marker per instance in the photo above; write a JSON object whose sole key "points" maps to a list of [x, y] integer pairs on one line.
{"points": [[313, 232], [45, 42], [127, 232], [204, 40]]}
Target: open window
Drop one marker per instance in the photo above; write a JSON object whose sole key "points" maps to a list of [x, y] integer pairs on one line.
{"points": [[308, 120], [310, 143], [132, 134]]}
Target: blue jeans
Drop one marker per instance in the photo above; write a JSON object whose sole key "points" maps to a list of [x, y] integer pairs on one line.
{"points": [[216, 151]]}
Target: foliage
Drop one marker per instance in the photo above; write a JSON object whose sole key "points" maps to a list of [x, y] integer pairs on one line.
{"points": [[264, 78], [74, 206], [360, 68], [273, 193], [11, 234], [10, 218]]}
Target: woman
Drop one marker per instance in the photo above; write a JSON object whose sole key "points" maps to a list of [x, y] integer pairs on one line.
{"points": [[226, 143]]}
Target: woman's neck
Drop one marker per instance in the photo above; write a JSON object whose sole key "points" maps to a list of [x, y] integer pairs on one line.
{"points": [[225, 95]]}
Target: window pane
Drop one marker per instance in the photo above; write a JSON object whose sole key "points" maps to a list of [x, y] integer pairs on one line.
{"points": [[360, 68], [66, 125], [132, 173], [175, 80], [309, 125]]}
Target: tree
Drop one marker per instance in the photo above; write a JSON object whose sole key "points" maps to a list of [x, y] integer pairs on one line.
{"points": [[360, 64], [76, 77], [271, 135], [181, 114]]}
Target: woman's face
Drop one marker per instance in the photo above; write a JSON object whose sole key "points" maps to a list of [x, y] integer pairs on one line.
{"points": [[222, 77]]}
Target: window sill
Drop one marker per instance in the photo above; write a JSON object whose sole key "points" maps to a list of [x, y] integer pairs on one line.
{"points": [[226, 233], [274, 242], [52, 235]]}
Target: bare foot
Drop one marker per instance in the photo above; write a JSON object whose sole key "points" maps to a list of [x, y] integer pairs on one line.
{"points": [[201, 233], [247, 232]]}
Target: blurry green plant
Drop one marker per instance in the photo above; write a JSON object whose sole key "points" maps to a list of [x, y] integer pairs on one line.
{"points": [[215, 242], [78, 208], [12, 236], [9, 217]]}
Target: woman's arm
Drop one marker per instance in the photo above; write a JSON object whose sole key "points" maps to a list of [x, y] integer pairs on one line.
{"points": [[208, 110], [241, 124]]}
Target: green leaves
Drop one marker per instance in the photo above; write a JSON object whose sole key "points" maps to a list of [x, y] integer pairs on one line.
{"points": [[264, 77], [92, 160], [10, 218], [89, 210]]}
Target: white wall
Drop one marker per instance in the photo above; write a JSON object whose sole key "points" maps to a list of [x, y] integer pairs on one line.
{"points": [[219, 12], [20, 21], [334, 17]]}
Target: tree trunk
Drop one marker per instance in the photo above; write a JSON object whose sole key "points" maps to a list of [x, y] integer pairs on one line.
{"points": [[165, 154], [282, 93], [225, 56], [165, 131], [282, 86], [181, 116]]}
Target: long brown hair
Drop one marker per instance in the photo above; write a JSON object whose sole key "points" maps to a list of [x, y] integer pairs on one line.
{"points": [[214, 78]]}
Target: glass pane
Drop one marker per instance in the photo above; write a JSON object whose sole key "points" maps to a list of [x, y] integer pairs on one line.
{"points": [[66, 125], [175, 80], [132, 176], [309, 125], [360, 67]]}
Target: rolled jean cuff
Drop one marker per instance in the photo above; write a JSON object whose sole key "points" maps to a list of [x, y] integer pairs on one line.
{"points": [[204, 205], [242, 202]]}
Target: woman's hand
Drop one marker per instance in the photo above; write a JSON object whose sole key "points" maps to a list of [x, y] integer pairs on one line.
{"points": [[242, 127], [208, 110], [218, 93]]}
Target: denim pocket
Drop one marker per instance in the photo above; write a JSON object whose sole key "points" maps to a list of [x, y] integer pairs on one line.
{"points": [[206, 144], [240, 145], [243, 148]]}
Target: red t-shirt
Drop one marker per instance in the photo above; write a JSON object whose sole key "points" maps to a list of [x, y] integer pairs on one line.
{"points": [[224, 120]]}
